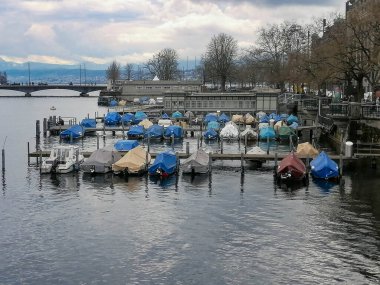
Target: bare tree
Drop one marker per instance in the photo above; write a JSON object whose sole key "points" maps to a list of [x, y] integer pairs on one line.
{"points": [[113, 73], [164, 64], [220, 57], [128, 71]]}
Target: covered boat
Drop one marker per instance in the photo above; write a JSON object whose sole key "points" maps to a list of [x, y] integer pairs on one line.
{"points": [[88, 123], [210, 134], [279, 124], [165, 122], [264, 119], [113, 103], [213, 125], [249, 133], [122, 103], [198, 162], [256, 150], [223, 118], [165, 116], [306, 149], [133, 162], [75, 132], [324, 167], [128, 118], [230, 131], [249, 119], [136, 132], [175, 131], [112, 118], [155, 132], [139, 116], [263, 125], [146, 124], [285, 133], [62, 159], [237, 119], [267, 133], [294, 126], [260, 114], [291, 119], [211, 117], [101, 160], [291, 169], [177, 114], [164, 165], [125, 145]]}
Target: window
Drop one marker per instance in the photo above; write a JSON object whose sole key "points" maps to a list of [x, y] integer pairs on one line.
{"points": [[211, 104], [223, 104], [199, 104], [193, 104], [205, 104], [240, 104]]}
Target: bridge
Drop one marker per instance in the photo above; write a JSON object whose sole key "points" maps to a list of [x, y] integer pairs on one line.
{"points": [[28, 89]]}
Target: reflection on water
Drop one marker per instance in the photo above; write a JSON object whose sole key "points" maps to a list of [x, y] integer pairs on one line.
{"points": [[224, 228]]}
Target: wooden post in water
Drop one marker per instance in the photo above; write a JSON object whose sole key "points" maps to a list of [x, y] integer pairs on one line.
{"points": [[71, 137], [210, 162], [341, 165], [104, 125], [221, 145], [242, 162], [148, 142], [275, 164], [122, 126], [267, 145], [245, 143], [38, 130], [187, 148], [44, 127], [3, 160], [97, 141], [197, 141], [88, 115], [28, 154], [60, 138], [172, 139]]}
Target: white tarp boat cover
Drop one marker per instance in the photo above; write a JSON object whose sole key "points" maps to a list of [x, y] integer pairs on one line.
{"points": [[237, 119], [307, 149], [229, 131], [135, 160], [260, 114], [100, 161], [256, 150], [249, 132], [145, 123], [263, 125], [198, 162], [165, 123], [122, 103]]}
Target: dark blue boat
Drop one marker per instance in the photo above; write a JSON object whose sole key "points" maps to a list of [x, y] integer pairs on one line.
{"points": [[112, 118], [210, 118], [164, 165], [291, 119], [324, 167], [136, 132], [267, 132], [210, 134], [165, 116], [125, 145], [264, 119], [75, 132], [88, 123], [155, 132], [223, 118], [128, 118], [139, 116], [113, 103], [173, 130]]}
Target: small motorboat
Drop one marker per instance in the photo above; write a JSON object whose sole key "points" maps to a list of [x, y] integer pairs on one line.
{"points": [[211, 117], [307, 150], [52, 108], [210, 134], [230, 131], [173, 131], [136, 132], [323, 167], [177, 115], [88, 123], [146, 124], [134, 162], [223, 118], [197, 163], [164, 165], [249, 133], [291, 169], [125, 145], [267, 133], [101, 160], [128, 118], [139, 116], [155, 132], [286, 133], [112, 118], [62, 159]]}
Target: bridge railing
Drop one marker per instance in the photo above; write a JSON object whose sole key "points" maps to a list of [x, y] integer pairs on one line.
{"points": [[370, 111], [338, 110]]}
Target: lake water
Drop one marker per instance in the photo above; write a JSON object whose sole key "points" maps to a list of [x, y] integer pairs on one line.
{"points": [[223, 229]]}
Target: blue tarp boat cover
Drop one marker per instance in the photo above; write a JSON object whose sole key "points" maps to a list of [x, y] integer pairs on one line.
{"points": [[213, 125], [113, 103], [173, 130], [324, 167], [291, 119], [88, 123], [177, 114], [264, 119], [223, 118], [155, 131], [165, 116], [112, 118], [125, 145], [284, 116], [210, 118], [136, 130], [294, 125], [165, 161], [128, 118], [210, 134], [139, 116], [75, 131], [267, 132]]}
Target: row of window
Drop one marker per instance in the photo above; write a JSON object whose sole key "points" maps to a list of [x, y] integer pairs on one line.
{"points": [[212, 104], [168, 87]]}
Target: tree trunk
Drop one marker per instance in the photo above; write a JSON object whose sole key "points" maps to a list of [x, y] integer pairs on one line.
{"points": [[223, 83]]}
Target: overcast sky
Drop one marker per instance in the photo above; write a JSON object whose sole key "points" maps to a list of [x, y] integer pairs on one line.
{"points": [[99, 31]]}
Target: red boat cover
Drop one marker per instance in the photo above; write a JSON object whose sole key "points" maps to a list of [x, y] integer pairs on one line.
{"points": [[291, 163]]}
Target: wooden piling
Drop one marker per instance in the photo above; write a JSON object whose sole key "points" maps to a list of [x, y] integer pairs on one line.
{"points": [[28, 154], [97, 141], [187, 148], [149, 143], [210, 163], [197, 141], [71, 137], [267, 145], [60, 131], [3, 160], [38, 130], [341, 164], [275, 164], [44, 127], [242, 162], [104, 125], [245, 143]]}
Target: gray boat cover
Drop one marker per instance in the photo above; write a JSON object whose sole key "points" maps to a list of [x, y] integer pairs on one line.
{"points": [[198, 162], [101, 160]]}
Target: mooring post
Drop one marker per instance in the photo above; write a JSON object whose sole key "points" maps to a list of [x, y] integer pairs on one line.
{"points": [[3, 160], [60, 138], [221, 145], [307, 164], [201, 137], [187, 148], [245, 143], [71, 137], [267, 145], [113, 133], [210, 162], [38, 129], [341, 165], [97, 141], [148, 142], [341, 142], [172, 139], [88, 115], [122, 126], [28, 154], [40, 163], [197, 141], [275, 163], [178, 161], [104, 125], [44, 127], [242, 162]]}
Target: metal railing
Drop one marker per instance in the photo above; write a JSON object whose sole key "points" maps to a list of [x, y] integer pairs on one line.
{"points": [[370, 111], [339, 110]]}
